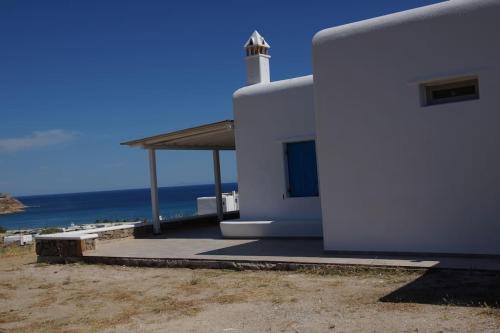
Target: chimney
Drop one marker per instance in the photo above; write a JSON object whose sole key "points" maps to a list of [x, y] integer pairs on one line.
{"points": [[257, 58]]}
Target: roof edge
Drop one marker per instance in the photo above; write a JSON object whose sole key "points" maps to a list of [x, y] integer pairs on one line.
{"points": [[186, 132], [273, 86], [449, 7]]}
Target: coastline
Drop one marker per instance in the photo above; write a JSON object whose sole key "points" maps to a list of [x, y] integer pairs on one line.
{"points": [[10, 205]]}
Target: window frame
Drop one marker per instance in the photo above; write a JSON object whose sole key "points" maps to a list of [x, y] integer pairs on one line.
{"points": [[428, 88]]}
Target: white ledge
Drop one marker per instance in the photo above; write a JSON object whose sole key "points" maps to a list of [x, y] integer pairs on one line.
{"points": [[66, 236], [85, 234], [116, 227]]}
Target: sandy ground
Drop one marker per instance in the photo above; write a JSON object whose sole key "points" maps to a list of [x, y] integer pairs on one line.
{"points": [[93, 298]]}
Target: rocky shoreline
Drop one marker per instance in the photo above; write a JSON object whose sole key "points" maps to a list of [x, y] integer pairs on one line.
{"points": [[10, 205]]}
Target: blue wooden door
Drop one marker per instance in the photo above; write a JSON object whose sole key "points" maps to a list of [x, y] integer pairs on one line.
{"points": [[302, 172]]}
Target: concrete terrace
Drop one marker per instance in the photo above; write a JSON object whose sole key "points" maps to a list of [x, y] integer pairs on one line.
{"points": [[204, 246]]}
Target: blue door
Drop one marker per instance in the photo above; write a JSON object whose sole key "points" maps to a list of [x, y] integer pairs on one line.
{"points": [[302, 172]]}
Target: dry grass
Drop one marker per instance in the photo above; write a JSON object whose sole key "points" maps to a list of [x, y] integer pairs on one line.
{"points": [[96, 298], [9, 317], [362, 271], [46, 286], [172, 306], [491, 312], [45, 300], [8, 286], [16, 250]]}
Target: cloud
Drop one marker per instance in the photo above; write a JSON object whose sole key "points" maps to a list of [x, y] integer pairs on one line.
{"points": [[37, 139]]}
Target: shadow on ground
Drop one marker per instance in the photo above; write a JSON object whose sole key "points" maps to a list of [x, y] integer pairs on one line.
{"points": [[275, 247], [195, 226], [457, 288]]}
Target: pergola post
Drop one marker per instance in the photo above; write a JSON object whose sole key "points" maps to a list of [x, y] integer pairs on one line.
{"points": [[154, 192], [218, 185]]}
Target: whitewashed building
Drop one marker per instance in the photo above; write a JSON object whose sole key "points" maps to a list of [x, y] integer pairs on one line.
{"points": [[272, 121], [393, 146]]}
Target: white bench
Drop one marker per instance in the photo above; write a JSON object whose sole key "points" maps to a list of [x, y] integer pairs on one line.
{"points": [[242, 228]]}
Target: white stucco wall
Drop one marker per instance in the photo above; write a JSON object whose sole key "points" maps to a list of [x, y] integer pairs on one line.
{"points": [[266, 116], [396, 176]]}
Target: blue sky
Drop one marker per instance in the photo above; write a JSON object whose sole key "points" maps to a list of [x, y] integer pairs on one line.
{"points": [[79, 77]]}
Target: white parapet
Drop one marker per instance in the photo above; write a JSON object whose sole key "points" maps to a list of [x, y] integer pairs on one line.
{"points": [[19, 239], [208, 205]]}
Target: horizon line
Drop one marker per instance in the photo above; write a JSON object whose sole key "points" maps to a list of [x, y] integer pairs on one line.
{"points": [[114, 190]]}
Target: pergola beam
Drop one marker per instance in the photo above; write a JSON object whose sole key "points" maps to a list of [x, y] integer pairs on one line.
{"points": [[220, 134], [199, 148]]}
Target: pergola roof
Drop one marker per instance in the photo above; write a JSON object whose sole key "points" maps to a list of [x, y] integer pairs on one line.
{"points": [[215, 136]]}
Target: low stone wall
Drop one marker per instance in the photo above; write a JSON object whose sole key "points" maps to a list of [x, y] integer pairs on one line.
{"points": [[114, 234], [73, 244], [241, 265], [64, 247]]}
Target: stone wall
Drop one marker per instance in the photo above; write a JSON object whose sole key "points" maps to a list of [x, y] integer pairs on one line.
{"points": [[64, 247], [114, 234], [58, 247]]}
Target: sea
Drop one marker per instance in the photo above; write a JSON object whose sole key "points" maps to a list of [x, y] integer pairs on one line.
{"points": [[63, 210]]}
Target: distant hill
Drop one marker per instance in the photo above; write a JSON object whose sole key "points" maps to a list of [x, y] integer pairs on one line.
{"points": [[9, 205]]}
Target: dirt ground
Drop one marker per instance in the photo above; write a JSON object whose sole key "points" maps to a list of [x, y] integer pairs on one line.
{"points": [[94, 298]]}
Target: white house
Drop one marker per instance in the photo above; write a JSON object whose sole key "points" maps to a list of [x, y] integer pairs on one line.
{"points": [[393, 145], [269, 117]]}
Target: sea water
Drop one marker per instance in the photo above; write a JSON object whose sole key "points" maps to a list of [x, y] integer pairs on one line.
{"points": [[61, 210]]}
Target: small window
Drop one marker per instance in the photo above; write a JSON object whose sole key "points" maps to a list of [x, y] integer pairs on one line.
{"points": [[451, 91], [302, 173]]}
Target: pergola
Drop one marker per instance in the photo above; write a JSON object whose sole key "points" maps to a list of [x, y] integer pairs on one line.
{"points": [[215, 137]]}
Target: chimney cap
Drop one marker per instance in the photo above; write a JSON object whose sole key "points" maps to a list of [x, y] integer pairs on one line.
{"points": [[256, 40]]}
